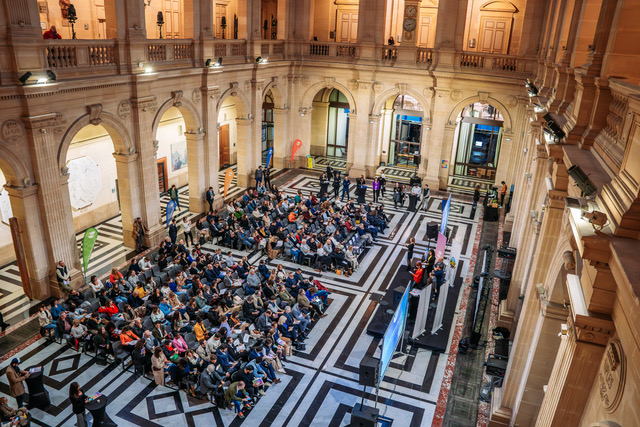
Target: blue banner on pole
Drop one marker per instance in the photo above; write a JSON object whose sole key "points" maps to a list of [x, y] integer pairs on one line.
{"points": [[445, 215], [269, 156], [171, 208]]}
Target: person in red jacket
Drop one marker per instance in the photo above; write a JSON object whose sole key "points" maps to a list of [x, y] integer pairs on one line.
{"points": [[52, 33], [109, 308], [417, 275]]}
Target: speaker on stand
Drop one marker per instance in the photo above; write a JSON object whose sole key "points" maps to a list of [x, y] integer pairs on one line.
{"points": [[361, 415], [432, 233]]}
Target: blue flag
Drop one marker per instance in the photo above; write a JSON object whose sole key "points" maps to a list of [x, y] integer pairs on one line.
{"points": [[446, 207], [171, 208], [269, 156]]}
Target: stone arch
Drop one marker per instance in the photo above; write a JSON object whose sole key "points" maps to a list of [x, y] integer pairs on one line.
{"points": [[119, 135], [242, 108], [394, 92], [499, 6], [14, 169], [557, 270], [310, 93], [506, 115], [187, 109], [276, 91]]}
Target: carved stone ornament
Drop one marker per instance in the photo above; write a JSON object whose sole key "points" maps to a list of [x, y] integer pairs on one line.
{"points": [[377, 87], [195, 95], [512, 101], [305, 80], [612, 376], [124, 109], [329, 82], [247, 86], [176, 95], [456, 95], [353, 85], [145, 103], [233, 88], [12, 131], [483, 96], [84, 182], [94, 111]]}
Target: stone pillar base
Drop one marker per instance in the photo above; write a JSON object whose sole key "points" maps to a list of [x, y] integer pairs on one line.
{"points": [[197, 204], [505, 316], [500, 418], [244, 181], [434, 183], [41, 289], [356, 170], [128, 239], [281, 162], [155, 235]]}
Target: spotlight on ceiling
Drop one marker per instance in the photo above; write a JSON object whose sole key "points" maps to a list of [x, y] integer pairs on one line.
{"points": [[219, 63], [25, 77], [259, 60], [51, 76], [208, 63]]}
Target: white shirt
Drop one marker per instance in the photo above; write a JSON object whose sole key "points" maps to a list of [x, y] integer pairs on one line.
{"points": [[96, 287], [186, 225], [144, 264]]}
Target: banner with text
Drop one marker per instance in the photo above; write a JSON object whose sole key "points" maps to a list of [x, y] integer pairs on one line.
{"points": [[296, 146]]}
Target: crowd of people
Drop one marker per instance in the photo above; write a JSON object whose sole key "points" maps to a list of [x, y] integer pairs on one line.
{"points": [[218, 327]]}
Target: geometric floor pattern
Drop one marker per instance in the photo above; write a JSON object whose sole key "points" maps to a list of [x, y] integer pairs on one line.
{"points": [[320, 385]]}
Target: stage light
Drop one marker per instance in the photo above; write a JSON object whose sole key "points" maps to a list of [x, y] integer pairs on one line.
{"points": [[25, 77], [208, 63], [259, 60], [41, 81], [219, 63], [51, 75]]}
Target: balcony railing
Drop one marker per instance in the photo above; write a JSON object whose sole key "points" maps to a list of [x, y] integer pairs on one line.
{"points": [[69, 54], [170, 50], [316, 49], [489, 62], [389, 53], [424, 56], [333, 50]]}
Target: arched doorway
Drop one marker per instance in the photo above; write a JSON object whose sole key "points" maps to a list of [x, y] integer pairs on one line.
{"points": [[330, 124], [405, 132], [171, 156], [267, 123], [478, 135], [238, 140], [7, 253]]}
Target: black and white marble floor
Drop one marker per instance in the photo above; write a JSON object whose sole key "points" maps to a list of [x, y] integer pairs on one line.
{"points": [[320, 385]]}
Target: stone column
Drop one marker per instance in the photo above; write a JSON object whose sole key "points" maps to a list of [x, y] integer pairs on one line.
{"points": [[284, 6], [196, 170], [44, 134], [282, 144], [576, 366], [247, 162], [26, 208], [440, 137], [450, 33], [305, 125], [127, 167], [210, 97], [370, 28], [143, 109]]}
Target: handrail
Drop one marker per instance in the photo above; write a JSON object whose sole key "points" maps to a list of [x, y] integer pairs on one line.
{"points": [[170, 50], [61, 54]]}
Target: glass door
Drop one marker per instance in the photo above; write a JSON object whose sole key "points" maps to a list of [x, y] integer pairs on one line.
{"points": [[267, 127], [404, 149], [338, 125]]}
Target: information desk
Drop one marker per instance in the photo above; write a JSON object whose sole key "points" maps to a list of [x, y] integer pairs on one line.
{"points": [[38, 396]]}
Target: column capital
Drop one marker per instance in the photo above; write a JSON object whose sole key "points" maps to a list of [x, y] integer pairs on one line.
{"points": [[244, 121], [125, 157], [280, 111], [145, 103], [26, 191], [43, 122], [591, 329]]}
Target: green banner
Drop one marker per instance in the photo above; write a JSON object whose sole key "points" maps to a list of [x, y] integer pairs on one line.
{"points": [[88, 241]]}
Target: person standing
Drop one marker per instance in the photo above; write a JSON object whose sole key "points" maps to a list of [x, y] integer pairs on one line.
{"points": [[336, 184], [267, 178], [78, 400], [138, 232], [503, 192], [410, 246], [476, 195], [209, 196], [52, 34], [383, 182], [173, 231], [3, 324], [397, 196], [362, 191], [258, 176], [346, 182], [426, 193], [16, 376], [324, 185], [173, 195], [376, 189], [186, 228]]}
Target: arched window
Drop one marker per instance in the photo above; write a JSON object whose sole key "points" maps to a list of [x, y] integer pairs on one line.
{"points": [[267, 122]]}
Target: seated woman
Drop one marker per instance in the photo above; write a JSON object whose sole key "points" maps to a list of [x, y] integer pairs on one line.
{"points": [[179, 344]]}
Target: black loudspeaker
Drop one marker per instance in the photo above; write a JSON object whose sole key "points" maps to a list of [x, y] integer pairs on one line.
{"points": [[496, 365], [368, 373], [364, 416], [398, 291], [432, 230]]}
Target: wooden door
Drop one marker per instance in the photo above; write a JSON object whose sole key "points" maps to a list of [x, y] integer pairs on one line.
{"points": [[221, 10], [494, 35], [424, 31], [162, 174], [223, 142], [348, 27], [172, 19]]}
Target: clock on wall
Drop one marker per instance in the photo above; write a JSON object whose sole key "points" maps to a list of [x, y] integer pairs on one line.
{"points": [[410, 10], [409, 24]]}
